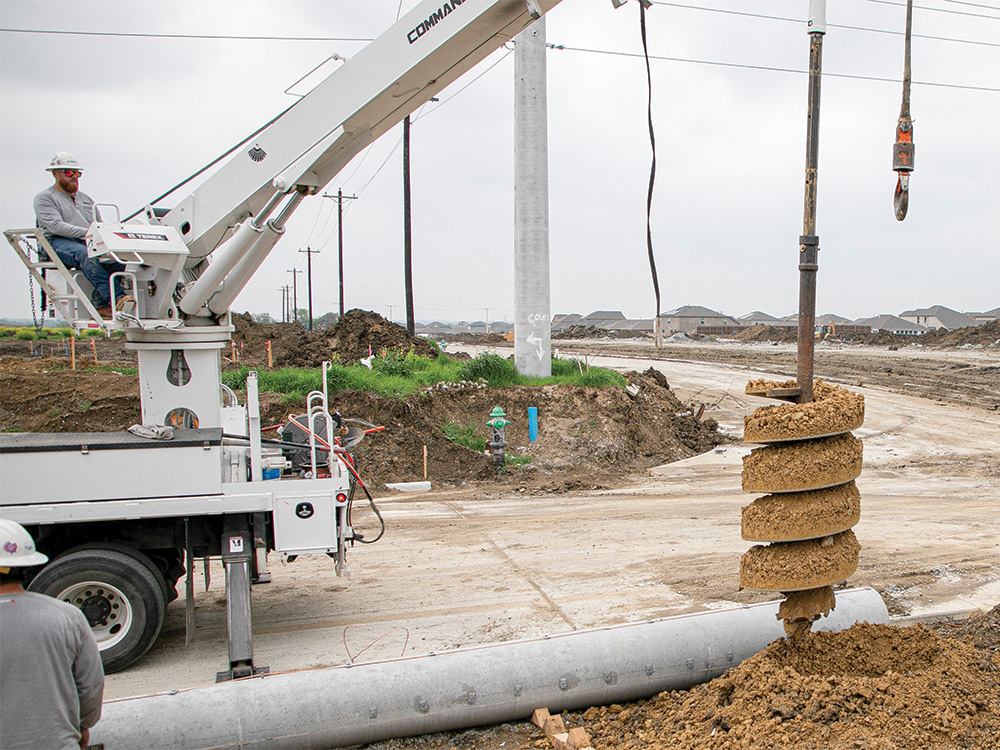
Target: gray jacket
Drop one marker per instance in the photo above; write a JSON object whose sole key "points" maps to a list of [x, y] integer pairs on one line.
{"points": [[64, 215], [51, 680]]}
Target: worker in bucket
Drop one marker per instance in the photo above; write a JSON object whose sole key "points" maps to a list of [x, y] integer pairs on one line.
{"points": [[51, 679], [64, 214]]}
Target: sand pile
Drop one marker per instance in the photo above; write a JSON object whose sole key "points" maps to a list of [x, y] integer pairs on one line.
{"points": [[874, 687]]}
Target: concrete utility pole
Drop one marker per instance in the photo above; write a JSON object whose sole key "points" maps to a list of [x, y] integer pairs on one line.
{"points": [[532, 316]]}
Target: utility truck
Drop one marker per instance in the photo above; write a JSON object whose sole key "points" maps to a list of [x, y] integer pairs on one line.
{"points": [[122, 516]]}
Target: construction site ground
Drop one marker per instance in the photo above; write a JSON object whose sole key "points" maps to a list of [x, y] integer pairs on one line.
{"points": [[491, 561]]}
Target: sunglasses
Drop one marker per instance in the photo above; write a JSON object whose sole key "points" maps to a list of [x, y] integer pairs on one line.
{"points": [[71, 172]]}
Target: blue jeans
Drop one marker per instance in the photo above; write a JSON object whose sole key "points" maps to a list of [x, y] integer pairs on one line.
{"points": [[73, 253]]}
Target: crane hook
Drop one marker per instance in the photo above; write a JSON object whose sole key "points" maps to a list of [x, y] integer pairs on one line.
{"points": [[903, 149], [902, 163]]}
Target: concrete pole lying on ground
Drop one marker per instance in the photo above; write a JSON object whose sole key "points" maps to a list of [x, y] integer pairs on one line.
{"points": [[532, 314], [355, 704]]}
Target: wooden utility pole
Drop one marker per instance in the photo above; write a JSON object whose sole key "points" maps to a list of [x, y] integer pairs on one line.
{"points": [[407, 240], [340, 198], [295, 293], [309, 277]]}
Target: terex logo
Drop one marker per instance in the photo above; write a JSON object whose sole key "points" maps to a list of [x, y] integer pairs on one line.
{"points": [[424, 26], [141, 236]]}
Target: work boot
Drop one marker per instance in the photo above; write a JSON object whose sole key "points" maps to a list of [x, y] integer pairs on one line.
{"points": [[104, 312], [125, 304]]}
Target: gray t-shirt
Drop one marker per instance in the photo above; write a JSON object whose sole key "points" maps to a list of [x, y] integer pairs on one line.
{"points": [[64, 215], [51, 679]]}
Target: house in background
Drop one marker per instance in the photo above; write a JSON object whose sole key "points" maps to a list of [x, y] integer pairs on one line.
{"points": [[939, 316], [606, 319], [562, 322], [757, 318], [892, 324], [689, 318], [831, 319], [986, 317]]}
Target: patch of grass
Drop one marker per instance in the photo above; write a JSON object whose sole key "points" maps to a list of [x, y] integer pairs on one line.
{"points": [[396, 374], [464, 436], [492, 368], [520, 460], [26, 334]]}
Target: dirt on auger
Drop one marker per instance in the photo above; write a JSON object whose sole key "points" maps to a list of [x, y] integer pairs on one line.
{"points": [[810, 455]]}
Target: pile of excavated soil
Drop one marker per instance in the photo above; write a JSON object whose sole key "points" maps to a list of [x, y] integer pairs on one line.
{"points": [[801, 466], [781, 334], [802, 515], [872, 687], [985, 335], [357, 334], [797, 566], [619, 434], [587, 437], [591, 332], [834, 410], [983, 631]]}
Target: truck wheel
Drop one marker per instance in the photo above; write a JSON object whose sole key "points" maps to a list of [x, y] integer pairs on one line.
{"points": [[119, 594]]}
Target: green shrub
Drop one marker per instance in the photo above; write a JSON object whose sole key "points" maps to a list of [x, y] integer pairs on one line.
{"points": [[492, 368], [26, 334], [464, 436], [393, 362]]}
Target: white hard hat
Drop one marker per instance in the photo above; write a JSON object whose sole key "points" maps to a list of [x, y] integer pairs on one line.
{"points": [[63, 160], [17, 548]]}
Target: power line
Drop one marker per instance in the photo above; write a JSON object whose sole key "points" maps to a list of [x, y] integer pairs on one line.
{"points": [[768, 68], [831, 25], [973, 5], [936, 10], [235, 37]]}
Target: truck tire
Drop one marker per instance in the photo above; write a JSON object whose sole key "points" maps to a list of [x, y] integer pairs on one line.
{"points": [[151, 562], [119, 594]]}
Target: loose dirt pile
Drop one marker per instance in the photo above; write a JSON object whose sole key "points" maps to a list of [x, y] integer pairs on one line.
{"points": [[986, 335], [783, 334], [591, 332], [873, 686], [587, 437], [358, 334]]}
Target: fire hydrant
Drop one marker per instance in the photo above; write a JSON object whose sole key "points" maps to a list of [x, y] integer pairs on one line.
{"points": [[498, 443]]}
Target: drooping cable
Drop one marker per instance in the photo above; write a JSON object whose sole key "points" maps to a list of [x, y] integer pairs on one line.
{"points": [[652, 168]]}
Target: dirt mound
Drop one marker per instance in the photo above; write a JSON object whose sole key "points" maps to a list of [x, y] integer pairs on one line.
{"points": [[983, 631], [360, 333], [872, 686], [987, 334], [591, 332], [884, 338], [349, 341], [780, 334], [619, 434]]}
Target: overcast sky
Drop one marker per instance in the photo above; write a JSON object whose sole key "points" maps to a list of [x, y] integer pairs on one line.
{"points": [[143, 112]]}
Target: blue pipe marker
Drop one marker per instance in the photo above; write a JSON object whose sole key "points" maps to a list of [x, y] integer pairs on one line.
{"points": [[532, 423]]}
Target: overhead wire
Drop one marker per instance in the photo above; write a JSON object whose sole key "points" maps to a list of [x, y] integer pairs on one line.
{"points": [[746, 66], [213, 37], [848, 27], [936, 10]]}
